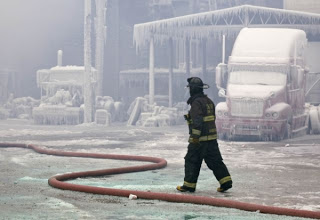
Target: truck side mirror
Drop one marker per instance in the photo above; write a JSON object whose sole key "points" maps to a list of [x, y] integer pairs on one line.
{"points": [[218, 77], [297, 76], [301, 77], [221, 75], [272, 95], [222, 93]]}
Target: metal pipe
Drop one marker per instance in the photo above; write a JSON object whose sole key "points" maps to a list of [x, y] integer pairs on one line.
{"points": [[60, 54]]}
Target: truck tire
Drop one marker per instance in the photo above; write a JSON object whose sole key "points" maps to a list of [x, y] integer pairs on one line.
{"points": [[222, 136], [288, 131], [314, 120]]}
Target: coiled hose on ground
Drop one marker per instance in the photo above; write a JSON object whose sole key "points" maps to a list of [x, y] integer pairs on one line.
{"points": [[157, 163]]}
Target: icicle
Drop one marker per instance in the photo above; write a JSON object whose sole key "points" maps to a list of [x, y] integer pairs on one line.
{"points": [[181, 27], [223, 47]]}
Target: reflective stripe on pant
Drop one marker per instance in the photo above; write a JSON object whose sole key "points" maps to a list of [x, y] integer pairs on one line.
{"points": [[210, 153]]}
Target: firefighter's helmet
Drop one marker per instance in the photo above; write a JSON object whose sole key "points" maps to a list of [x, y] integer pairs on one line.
{"points": [[196, 82]]}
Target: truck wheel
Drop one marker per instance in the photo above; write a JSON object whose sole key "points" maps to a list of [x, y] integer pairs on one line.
{"points": [[222, 136], [266, 138], [288, 131], [314, 120], [309, 127]]}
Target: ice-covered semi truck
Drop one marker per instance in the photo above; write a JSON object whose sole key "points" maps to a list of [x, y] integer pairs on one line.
{"points": [[264, 86]]}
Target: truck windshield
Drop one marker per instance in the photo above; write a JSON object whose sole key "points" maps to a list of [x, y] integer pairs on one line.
{"points": [[257, 78]]}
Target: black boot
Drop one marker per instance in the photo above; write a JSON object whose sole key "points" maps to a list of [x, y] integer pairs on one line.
{"points": [[184, 188], [224, 187]]}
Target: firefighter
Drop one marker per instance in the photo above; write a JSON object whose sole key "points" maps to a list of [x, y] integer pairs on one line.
{"points": [[203, 143]]}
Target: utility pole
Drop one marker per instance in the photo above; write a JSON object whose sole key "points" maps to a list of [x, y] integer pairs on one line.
{"points": [[88, 103], [100, 28], [151, 72]]}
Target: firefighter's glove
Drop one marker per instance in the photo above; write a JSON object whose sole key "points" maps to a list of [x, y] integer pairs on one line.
{"points": [[187, 117], [195, 141]]}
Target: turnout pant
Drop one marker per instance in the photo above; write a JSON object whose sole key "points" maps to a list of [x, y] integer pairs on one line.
{"points": [[210, 153]]}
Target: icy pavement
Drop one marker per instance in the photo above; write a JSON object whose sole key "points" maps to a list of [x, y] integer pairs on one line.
{"points": [[284, 174]]}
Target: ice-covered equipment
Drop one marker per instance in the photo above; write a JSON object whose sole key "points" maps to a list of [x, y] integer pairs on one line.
{"points": [[21, 107], [103, 117], [62, 94], [146, 115], [107, 110], [57, 115]]}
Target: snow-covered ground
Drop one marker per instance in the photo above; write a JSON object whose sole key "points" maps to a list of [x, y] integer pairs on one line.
{"points": [[284, 174]]}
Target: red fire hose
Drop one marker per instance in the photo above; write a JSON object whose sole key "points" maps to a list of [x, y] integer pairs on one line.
{"points": [[57, 182]]}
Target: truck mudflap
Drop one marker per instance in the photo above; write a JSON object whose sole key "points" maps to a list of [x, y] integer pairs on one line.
{"points": [[252, 129]]}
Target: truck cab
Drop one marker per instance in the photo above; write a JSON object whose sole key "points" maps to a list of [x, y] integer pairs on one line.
{"points": [[264, 86]]}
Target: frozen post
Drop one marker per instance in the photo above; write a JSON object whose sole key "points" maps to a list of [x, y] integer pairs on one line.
{"points": [[204, 59], [88, 105], [170, 70], [60, 54], [187, 57], [295, 53], [223, 48], [151, 72], [100, 41]]}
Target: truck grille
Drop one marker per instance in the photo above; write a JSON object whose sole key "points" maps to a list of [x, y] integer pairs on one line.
{"points": [[247, 108]]}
